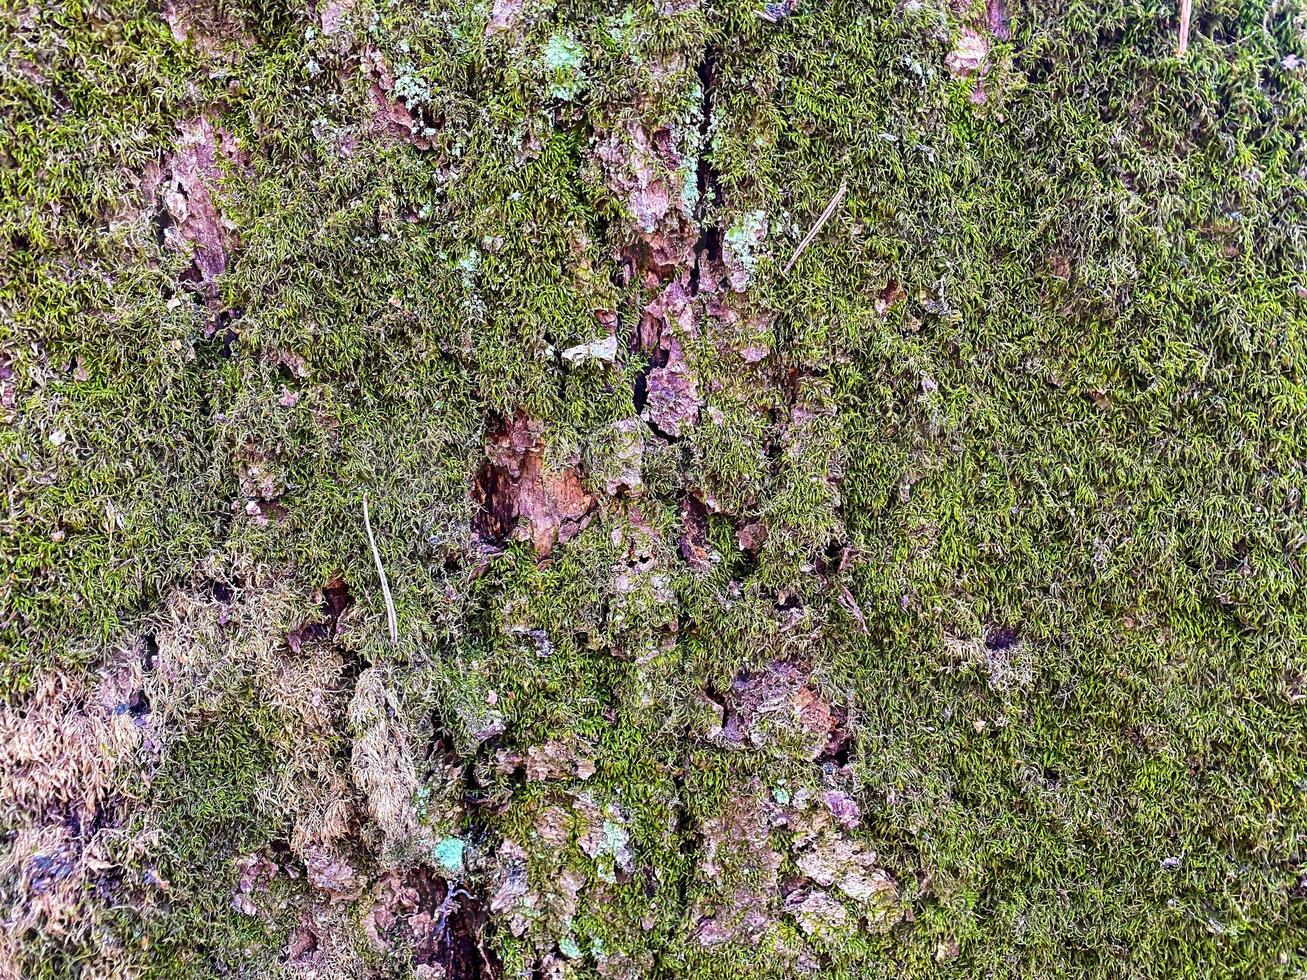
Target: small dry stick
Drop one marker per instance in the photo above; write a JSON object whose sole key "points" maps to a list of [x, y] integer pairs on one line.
{"points": [[825, 216], [392, 620], [1186, 11], [851, 604]]}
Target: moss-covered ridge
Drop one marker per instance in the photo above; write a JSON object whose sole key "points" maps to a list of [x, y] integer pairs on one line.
{"points": [[936, 606]]}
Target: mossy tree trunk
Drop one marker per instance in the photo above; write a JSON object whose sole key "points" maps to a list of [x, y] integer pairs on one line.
{"points": [[837, 470]]}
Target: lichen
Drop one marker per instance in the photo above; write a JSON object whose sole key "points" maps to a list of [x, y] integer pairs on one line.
{"points": [[743, 243], [564, 59]]}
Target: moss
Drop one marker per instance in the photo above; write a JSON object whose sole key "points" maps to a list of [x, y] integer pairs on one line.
{"points": [[1024, 428]]}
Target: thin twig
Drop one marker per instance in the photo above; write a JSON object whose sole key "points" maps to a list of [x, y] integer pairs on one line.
{"points": [[1186, 12], [392, 620], [825, 216], [851, 604]]}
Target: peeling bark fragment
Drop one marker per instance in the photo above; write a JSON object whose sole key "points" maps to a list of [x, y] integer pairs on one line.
{"points": [[333, 600], [817, 913], [392, 117], [850, 867], [503, 16], [968, 54], [671, 316], [693, 542], [558, 760], [842, 808], [509, 878], [624, 463], [185, 190], [553, 827], [741, 247], [438, 924], [740, 871], [333, 14], [652, 174], [604, 351], [996, 14], [207, 27], [741, 896], [330, 873], [256, 871], [671, 396], [776, 707], [520, 497], [752, 537], [579, 847], [605, 839], [831, 860], [891, 296]]}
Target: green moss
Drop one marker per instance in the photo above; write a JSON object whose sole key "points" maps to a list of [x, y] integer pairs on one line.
{"points": [[1043, 369]]}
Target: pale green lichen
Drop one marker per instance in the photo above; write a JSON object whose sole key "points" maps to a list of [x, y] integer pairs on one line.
{"points": [[569, 947], [449, 854], [564, 59], [690, 185], [743, 242]]}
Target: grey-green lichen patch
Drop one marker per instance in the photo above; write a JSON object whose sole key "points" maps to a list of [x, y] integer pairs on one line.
{"points": [[449, 855], [743, 245], [564, 60]]}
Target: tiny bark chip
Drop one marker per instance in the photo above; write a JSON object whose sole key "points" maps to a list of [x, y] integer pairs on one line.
{"points": [[752, 537]]}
